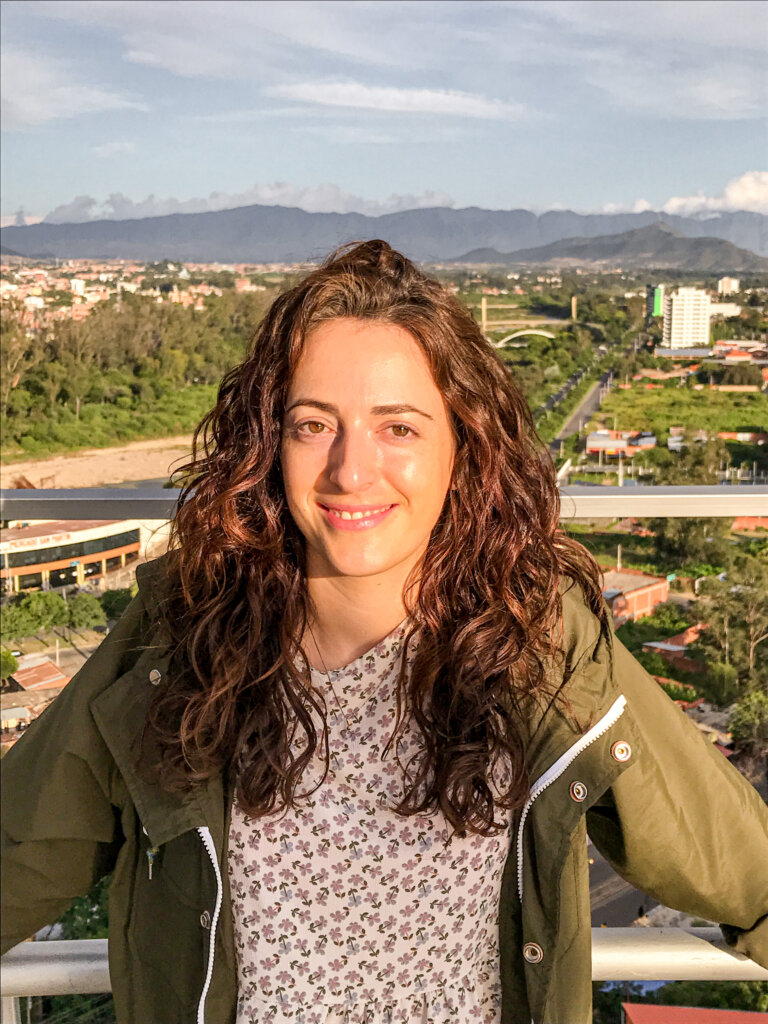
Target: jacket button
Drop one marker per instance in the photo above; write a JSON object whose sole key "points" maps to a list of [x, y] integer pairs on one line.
{"points": [[533, 953], [155, 676], [578, 791], [621, 750], [205, 920]]}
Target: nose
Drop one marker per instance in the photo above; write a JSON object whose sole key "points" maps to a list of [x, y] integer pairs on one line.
{"points": [[353, 461]]}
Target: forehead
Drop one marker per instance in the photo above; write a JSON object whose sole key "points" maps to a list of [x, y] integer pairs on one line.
{"points": [[362, 359]]}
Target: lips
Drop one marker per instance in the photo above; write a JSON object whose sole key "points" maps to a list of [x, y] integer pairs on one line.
{"points": [[355, 517]]}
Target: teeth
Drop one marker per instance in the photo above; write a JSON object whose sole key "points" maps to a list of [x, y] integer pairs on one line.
{"points": [[357, 515]]}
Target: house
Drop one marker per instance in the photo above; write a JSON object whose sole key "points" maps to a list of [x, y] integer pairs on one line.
{"points": [[647, 1013], [631, 594], [15, 717], [37, 672], [613, 442], [673, 649]]}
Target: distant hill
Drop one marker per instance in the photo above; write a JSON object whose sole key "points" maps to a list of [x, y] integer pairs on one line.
{"points": [[656, 246], [277, 233]]}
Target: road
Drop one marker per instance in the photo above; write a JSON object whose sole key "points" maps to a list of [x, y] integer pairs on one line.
{"points": [[589, 404], [615, 903]]}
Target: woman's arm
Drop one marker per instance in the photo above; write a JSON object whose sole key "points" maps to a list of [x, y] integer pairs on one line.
{"points": [[61, 793], [681, 823]]}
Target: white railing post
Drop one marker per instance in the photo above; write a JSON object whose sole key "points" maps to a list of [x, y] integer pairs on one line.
{"points": [[10, 1010]]}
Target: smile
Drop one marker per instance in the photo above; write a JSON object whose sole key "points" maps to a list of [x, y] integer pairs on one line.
{"points": [[360, 518]]}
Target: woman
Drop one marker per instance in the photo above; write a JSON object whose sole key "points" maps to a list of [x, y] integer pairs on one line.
{"points": [[342, 749]]}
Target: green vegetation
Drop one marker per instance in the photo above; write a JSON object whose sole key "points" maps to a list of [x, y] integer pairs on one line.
{"points": [[137, 370], [734, 643], [607, 996], [748, 721], [667, 619], [8, 664], [672, 406], [27, 615]]}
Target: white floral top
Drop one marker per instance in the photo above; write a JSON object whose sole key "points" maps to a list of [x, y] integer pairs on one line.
{"points": [[347, 913]]}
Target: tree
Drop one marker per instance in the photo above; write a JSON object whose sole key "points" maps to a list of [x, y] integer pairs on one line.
{"points": [[691, 540], [85, 611], [114, 602], [18, 352], [16, 622], [720, 995], [8, 664], [748, 721], [736, 612]]}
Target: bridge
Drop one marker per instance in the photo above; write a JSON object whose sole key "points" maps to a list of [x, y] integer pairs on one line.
{"points": [[520, 334]]}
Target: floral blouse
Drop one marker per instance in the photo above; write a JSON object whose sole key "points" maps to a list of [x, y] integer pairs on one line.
{"points": [[347, 913]]}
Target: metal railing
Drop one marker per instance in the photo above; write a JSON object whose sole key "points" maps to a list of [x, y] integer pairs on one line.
{"points": [[577, 502], [618, 954]]}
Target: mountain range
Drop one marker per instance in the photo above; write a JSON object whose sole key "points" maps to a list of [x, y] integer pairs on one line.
{"points": [[656, 246], [260, 234]]}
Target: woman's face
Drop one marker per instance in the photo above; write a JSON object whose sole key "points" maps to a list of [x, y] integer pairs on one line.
{"points": [[367, 449]]}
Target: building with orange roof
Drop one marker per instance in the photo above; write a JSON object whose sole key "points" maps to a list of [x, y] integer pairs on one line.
{"points": [[647, 1013]]}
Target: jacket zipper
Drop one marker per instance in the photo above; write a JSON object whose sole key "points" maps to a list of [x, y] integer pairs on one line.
{"points": [[205, 835], [551, 774]]}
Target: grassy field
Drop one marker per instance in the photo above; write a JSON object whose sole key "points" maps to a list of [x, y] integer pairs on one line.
{"points": [[659, 410]]}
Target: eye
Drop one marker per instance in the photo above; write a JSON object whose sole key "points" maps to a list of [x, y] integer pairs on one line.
{"points": [[402, 430], [313, 427]]}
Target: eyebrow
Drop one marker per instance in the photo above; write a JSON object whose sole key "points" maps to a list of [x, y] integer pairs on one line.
{"points": [[377, 410]]}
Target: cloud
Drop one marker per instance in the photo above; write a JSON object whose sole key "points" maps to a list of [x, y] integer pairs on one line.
{"points": [[37, 89], [403, 101], [108, 149], [257, 41], [14, 219], [749, 192], [639, 206], [326, 198]]}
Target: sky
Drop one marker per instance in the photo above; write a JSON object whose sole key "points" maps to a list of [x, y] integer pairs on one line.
{"points": [[131, 108]]}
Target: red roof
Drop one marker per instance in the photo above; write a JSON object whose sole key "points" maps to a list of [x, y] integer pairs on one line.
{"points": [[43, 676], [647, 1013]]}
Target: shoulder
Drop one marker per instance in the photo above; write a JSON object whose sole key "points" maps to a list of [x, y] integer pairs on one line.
{"points": [[582, 631]]}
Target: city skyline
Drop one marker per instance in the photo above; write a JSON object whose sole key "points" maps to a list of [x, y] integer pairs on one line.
{"points": [[145, 108]]}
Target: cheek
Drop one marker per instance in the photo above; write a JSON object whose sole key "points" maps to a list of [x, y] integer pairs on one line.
{"points": [[423, 479], [297, 474]]}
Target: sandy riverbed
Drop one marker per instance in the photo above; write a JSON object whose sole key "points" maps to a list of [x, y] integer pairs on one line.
{"points": [[94, 467]]}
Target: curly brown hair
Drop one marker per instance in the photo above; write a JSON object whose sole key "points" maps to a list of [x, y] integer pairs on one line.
{"points": [[486, 604]]}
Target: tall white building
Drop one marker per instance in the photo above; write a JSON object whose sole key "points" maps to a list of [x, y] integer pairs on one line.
{"points": [[727, 285], [686, 319]]}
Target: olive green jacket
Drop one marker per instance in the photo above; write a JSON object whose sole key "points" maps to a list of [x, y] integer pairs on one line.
{"points": [[661, 803]]}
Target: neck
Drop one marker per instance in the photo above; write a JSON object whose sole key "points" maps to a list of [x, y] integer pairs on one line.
{"points": [[349, 615]]}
